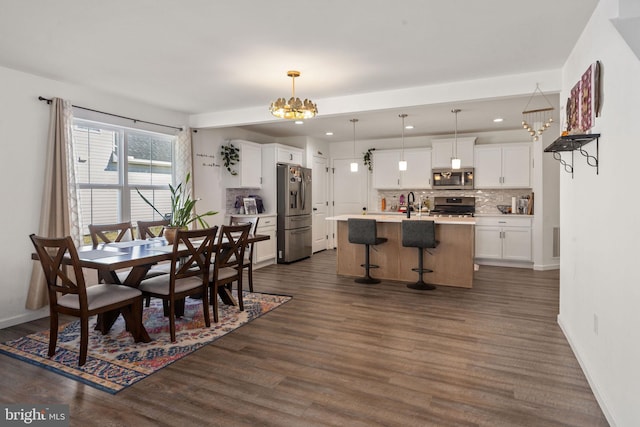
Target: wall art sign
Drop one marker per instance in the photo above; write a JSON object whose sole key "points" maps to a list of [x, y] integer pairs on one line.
{"points": [[584, 102]]}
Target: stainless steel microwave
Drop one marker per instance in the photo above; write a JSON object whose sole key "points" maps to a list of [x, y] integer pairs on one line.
{"points": [[452, 179]]}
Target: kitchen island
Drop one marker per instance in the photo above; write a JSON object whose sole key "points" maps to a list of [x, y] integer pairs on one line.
{"points": [[452, 261]]}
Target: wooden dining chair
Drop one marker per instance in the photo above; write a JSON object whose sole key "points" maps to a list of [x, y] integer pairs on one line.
{"points": [[99, 232], [103, 233], [79, 300], [189, 273], [228, 263], [248, 255], [150, 229]]}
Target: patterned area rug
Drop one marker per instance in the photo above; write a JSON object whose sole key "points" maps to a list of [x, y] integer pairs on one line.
{"points": [[115, 362]]}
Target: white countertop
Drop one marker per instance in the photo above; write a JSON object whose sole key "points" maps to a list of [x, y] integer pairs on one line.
{"points": [[414, 217]]}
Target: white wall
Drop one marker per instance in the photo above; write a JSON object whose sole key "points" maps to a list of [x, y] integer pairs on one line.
{"points": [[599, 273], [24, 123], [209, 181]]}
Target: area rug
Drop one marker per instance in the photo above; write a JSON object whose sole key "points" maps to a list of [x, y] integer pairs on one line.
{"points": [[115, 362]]}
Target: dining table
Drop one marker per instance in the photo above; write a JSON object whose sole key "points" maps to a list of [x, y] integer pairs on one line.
{"points": [[138, 257]]}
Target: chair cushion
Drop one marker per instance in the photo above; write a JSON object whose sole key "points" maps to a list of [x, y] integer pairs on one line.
{"points": [[160, 284], [159, 270], [100, 296], [224, 273]]}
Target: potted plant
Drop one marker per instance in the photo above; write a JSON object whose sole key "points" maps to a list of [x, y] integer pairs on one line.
{"points": [[230, 156], [182, 209], [368, 159]]}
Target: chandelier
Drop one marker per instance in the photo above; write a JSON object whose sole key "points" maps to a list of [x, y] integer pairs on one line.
{"points": [[294, 108], [542, 117]]}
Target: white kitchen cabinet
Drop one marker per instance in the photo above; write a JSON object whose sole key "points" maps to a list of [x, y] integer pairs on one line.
{"points": [[503, 166], [386, 174], [505, 238], [443, 151], [249, 167], [289, 155], [265, 251]]}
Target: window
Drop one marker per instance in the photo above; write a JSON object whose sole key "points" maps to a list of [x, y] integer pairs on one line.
{"points": [[111, 163]]}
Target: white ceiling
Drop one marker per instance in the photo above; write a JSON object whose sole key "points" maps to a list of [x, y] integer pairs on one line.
{"points": [[205, 56]]}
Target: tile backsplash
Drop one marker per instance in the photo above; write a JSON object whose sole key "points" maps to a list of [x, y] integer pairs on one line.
{"points": [[486, 200], [231, 195]]}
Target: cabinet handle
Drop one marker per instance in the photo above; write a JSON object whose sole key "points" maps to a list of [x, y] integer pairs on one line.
{"points": [[290, 156]]}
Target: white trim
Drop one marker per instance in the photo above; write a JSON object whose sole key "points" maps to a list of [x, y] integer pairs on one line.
{"points": [[27, 316], [599, 397], [545, 267]]}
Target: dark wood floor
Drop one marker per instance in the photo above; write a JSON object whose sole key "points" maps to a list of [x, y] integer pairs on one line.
{"points": [[346, 354]]}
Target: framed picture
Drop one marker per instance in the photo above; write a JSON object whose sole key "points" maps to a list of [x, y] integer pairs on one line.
{"points": [[250, 207]]}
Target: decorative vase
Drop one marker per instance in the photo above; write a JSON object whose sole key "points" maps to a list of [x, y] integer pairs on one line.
{"points": [[170, 233]]}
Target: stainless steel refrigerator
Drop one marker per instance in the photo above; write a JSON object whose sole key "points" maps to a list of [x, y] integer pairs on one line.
{"points": [[294, 213]]}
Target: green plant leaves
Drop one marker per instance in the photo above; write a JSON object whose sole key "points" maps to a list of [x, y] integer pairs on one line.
{"points": [[182, 206]]}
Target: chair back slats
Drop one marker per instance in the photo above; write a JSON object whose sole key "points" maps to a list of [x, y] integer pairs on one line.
{"points": [[146, 229], [98, 232], [240, 220], [200, 245], [231, 245], [51, 252]]}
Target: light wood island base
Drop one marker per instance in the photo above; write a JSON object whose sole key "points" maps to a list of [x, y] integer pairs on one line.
{"points": [[452, 261]]}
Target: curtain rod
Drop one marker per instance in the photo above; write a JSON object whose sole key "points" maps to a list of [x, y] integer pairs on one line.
{"points": [[41, 98]]}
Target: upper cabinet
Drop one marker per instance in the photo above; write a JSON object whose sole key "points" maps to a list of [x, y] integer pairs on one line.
{"points": [[248, 169], [443, 152], [290, 155], [503, 166], [386, 174]]}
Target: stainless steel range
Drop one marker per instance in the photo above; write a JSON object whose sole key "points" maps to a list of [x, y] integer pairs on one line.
{"points": [[453, 207]]}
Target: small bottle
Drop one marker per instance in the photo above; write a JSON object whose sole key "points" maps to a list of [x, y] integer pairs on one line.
{"points": [[384, 204], [364, 211]]}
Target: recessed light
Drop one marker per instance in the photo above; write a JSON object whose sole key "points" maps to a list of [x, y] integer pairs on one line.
{"points": [[299, 122], [498, 120], [329, 133], [408, 127]]}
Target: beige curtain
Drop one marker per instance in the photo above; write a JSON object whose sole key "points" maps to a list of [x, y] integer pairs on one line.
{"points": [[59, 213]]}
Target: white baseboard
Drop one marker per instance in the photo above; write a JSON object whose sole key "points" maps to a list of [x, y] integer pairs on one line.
{"points": [[544, 267], [594, 388], [502, 263], [25, 317]]}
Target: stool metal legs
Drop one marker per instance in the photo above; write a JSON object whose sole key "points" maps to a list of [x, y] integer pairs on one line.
{"points": [[367, 279], [420, 284]]}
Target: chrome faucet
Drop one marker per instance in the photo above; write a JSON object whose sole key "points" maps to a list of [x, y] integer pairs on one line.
{"points": [[411, 199]]}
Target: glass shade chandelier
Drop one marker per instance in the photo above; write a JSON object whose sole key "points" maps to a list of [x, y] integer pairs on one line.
{"points": [[402, 164], [294, 108], [354, 163], [455, 161]]}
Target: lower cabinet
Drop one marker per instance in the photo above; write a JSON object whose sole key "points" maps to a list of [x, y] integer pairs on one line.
{"points": [[266, 251], [503, 238]]}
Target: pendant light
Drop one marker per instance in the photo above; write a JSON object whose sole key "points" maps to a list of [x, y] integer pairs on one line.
{"points": [[354, 163], [402, 164], [455, 161]]}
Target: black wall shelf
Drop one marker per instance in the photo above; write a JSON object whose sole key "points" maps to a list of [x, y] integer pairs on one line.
{"points": [[574, 143]]}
